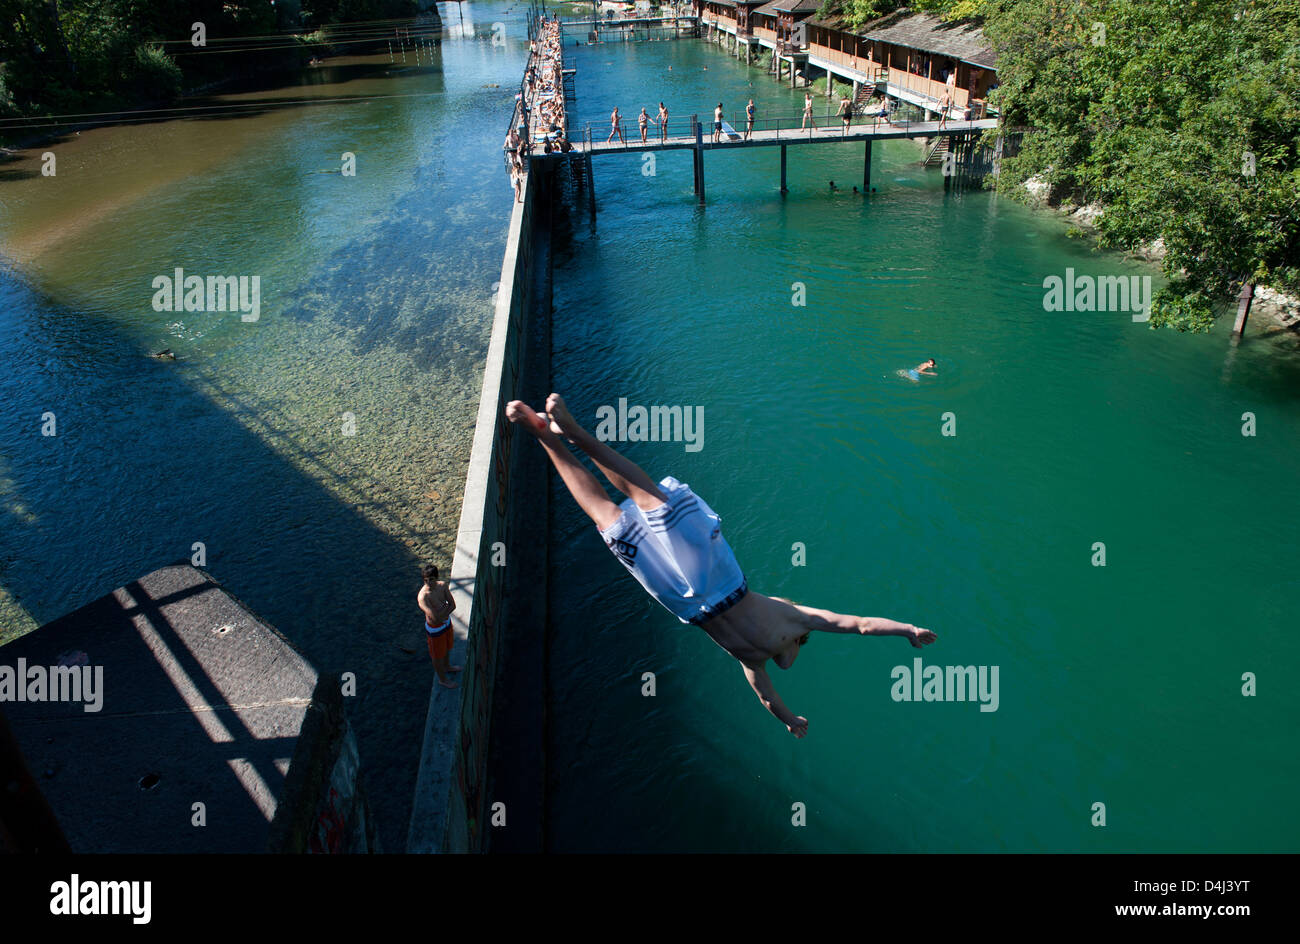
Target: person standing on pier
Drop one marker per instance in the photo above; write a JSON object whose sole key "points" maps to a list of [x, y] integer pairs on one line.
{"points": [[717, 123], [615, 120], [643, 122], [672, 543], [437, 605], [663, 123], [944, 101], [749, 119], [807, 112]]}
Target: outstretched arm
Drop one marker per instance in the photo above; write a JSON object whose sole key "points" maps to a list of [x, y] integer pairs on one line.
{"points": [[766, 692], [879, 626]]}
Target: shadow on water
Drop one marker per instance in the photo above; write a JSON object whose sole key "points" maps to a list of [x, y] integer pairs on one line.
{"points": [[264, 93], [121, 475]]}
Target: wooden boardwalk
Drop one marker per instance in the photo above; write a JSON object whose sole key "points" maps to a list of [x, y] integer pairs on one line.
{"points": [[832, 132]]}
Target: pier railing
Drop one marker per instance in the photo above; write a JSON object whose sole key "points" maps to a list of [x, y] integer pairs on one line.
{"points": [[786, 128]]}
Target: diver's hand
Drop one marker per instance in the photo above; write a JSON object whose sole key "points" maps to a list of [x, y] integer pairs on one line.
{"points": [[919, 637], [799, 727]]}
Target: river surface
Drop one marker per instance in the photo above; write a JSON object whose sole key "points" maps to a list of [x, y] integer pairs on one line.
{"points": [[1119, 685], [318, 453]]}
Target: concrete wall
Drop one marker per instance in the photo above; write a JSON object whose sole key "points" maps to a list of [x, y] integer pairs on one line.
{"points": [[498, 574], [323, 807]]}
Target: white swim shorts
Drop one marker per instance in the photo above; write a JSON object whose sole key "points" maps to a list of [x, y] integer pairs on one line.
{"points": [[677, 552]]}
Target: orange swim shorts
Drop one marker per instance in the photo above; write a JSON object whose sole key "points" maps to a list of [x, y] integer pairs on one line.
{"points": [[440, 641]]}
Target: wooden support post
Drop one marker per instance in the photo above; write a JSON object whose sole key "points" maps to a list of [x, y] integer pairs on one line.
{"points": [[591, 189], [783, 189], [699, 158], [866, 169], [1243, 308]]}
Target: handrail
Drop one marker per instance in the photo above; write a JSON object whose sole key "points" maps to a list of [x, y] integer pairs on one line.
{"points": [[827, 123]]}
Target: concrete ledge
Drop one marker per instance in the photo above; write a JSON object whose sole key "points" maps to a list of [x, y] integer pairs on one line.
{"points": [[202, 702], [450, 795]]}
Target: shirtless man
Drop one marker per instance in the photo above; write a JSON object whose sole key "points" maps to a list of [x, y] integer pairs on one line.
{"points": [[616, 127], [672, 543], [846, 111], [945, 101], [807, 111], [717, 123], [663, 123], [437, 605]]}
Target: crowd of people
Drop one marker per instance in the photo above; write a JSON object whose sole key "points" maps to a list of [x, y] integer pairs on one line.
{"points": [[539, 105]]}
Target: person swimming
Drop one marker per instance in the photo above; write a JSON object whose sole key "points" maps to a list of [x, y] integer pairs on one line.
{"points": [[922, 368]]}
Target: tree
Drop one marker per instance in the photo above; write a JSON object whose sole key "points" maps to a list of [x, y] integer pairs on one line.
{"points": [[1179, 117]]}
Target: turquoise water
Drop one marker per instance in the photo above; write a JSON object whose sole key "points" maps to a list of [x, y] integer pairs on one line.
{"points": [[1119, 685]]}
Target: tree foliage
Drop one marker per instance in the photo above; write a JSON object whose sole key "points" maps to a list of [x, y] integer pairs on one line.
{"points": [[859, 12], [70, 56], [1181, 118]]}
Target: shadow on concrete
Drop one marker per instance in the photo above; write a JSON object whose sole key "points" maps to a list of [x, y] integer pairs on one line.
{"points": [[143, 466]]}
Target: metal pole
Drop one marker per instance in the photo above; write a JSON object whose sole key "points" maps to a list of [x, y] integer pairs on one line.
{"points": [[866, 169], [783, 188]]}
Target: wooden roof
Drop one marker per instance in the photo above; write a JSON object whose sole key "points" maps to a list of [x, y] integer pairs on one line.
{"points": [[964, 41]]}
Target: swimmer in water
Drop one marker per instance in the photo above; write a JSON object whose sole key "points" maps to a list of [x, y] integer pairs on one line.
{"points": [[672, 543], [926, 368]]}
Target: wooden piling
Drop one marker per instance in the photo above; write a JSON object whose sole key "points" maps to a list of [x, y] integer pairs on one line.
{"points": [[866, 169], [1243, 308], [783, 188], [699, 158]]}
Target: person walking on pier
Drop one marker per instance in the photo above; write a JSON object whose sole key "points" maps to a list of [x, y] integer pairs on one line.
{"points": [[944, 101], [807, 112], [615, 120], [437, 605], [663, 123], [717, 123], [643, 122], [749, 119], [846, 111], [672, 543]]}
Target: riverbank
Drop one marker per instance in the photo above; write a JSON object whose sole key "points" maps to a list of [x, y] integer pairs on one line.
{"points": [[1281, 310]]}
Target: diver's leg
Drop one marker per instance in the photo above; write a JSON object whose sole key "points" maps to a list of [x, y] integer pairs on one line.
{"points": [[582, 485], [624, 474]]}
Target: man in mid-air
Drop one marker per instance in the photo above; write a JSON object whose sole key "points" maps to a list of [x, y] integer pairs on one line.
{"points": [[672, 543]]}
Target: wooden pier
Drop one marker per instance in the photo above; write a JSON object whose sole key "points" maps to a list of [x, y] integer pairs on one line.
{"points": [[772, 134]]}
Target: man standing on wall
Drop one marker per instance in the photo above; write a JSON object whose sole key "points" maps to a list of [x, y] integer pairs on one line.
{"points": [[437, 605]]}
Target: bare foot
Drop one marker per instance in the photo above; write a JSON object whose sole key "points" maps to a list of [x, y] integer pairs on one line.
{"points": [[799, 728], [562, 421], [919, 637], [445, 684], [517, 411]]}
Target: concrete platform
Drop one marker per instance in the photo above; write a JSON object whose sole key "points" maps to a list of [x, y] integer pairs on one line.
{"points": [[202, 702]]}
